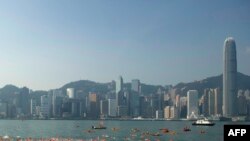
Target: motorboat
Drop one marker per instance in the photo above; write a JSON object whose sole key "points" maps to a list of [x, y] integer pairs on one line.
{"points": [[203, 122]]}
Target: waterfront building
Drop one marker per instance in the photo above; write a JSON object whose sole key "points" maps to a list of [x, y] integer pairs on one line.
{"points": [[242, 103], [159, 114], [122, 111], [33, 105], [57, 100], [211, 102], [104, 108], [174, 113], [205, 105], [167, 112], [94, 105], [134, 104], [183, 107], [45, 106], [3, 109], [192, 104], [24, 101], [218, 101], [160, 94], [111, 107]]}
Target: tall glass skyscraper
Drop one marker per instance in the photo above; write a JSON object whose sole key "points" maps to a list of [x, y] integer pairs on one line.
{"points": [[119, 85], [135, 85], [229, 78], [119, 90], [192, 104]]}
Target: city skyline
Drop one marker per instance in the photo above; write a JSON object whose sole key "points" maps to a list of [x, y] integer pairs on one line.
{"points": [[47, 44]]}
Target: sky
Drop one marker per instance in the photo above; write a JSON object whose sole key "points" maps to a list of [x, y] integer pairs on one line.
{"points": [[45, 44]]}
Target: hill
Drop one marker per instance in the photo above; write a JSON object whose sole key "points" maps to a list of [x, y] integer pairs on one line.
{"points": [[213, 82], [86, 86]]}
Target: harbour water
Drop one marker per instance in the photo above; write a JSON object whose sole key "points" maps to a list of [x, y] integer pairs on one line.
{"points": [[81, 129]]}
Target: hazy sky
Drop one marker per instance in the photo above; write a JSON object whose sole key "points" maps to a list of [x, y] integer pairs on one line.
{"points": [[47, 43]]}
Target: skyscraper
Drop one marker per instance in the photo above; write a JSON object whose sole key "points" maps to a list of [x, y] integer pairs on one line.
{"points": [[119, 85], [24, 101], [94, 105], [57, 100], [211, 102], [192, 104], [229, 78], [45, 106], [218, 101], [118, 90], [135, 85], [111, 107], [205, 108]]}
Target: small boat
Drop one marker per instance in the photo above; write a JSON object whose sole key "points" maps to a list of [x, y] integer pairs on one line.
{"points": [[105, 136], [100, 126], [186, 129], [135, 130], [164, 130], [156, 134], [89, 131], [114, 129], [202, 131], [203, 122]]}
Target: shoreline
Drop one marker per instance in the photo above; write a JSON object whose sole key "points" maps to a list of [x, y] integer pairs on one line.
{"points": [[117, 119]]}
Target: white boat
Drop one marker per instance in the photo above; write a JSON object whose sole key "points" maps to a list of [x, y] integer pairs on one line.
{"points": [[138, 118], [203, 122]]}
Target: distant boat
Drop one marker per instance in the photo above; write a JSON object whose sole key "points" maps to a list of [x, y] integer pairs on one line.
{"points": [[135, 130], [203, 122], [156, 134], [138, 118], [89, 131], [114, 129], [100, 126], [202, 131], [186, 129], [164, 130]]}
